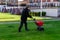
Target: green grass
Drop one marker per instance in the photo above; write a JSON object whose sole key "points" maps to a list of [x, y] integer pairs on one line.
{"points": [[52, 32], [10, 31], [9, 17]]}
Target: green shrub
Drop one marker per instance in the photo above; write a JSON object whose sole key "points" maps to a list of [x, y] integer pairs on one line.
{"points": [[43, 13], [37, 13]]}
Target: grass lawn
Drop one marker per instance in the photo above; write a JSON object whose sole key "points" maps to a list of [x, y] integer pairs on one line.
{"points": [[9, 17], [9, 31], [52, 32]]}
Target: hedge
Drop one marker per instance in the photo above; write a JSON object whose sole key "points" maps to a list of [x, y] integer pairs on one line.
{"points": [[37, 13]]}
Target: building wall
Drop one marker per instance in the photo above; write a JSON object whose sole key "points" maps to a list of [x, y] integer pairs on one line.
{"points": [[40, 0], [13, 2], [37, 1]]}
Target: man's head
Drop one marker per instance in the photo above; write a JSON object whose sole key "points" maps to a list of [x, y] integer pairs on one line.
{"points": [[28, 7]]}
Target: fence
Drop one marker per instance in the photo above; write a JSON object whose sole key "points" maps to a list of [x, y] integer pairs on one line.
{"points": [[44, 4]]}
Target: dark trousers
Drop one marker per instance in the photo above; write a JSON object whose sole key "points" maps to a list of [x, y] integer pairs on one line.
{"points": [[21, 24]]}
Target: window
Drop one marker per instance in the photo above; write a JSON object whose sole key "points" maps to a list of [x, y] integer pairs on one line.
{"points": [[39, 0], [31, 1], [51, 0], [3, 0], [58, 0], [25, 0], [7, 0]]}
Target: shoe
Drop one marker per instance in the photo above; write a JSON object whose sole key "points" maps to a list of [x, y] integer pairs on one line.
{"points": [[19, 31], [28, 30]]}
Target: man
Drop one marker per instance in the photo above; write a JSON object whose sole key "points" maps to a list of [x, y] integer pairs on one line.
{"points": [[24, 15]]}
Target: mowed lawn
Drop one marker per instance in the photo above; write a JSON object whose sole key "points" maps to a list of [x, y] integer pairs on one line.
{"points": [[10, 31], [10, 17]]}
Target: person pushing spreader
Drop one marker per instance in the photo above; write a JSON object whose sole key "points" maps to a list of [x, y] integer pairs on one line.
{"points": [[39, 24]]}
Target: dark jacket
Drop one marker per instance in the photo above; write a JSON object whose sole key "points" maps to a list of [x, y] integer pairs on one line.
{"points": [[25, 14]]}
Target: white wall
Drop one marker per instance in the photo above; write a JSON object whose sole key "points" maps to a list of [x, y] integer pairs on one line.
{"points": [[58, 11], [1, 6], [49, 12]]}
